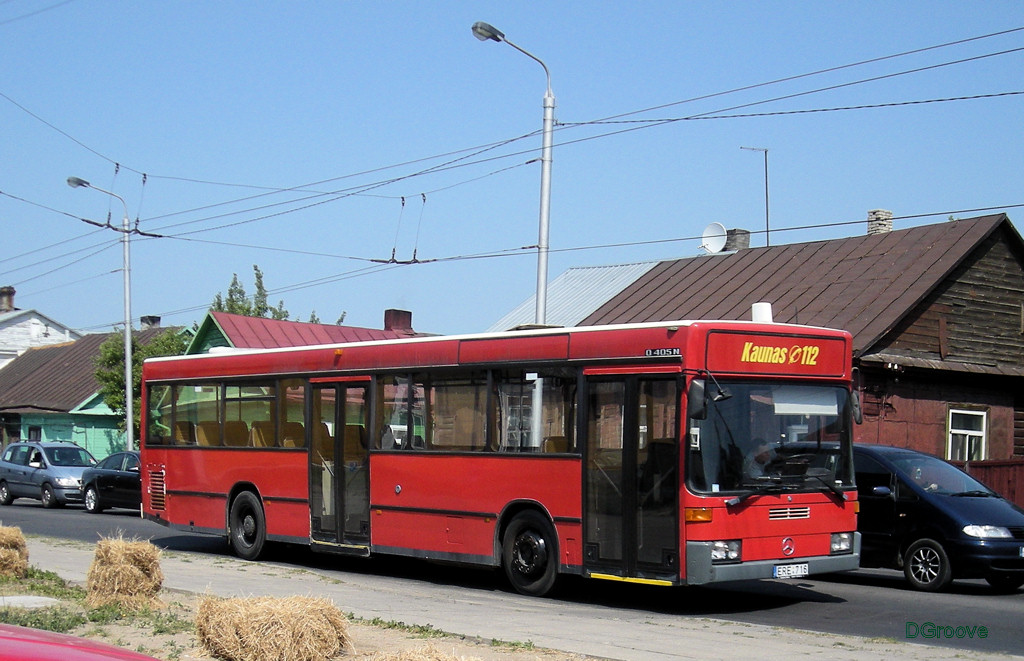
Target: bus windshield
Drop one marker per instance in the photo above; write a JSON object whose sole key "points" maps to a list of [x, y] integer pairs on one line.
{"points": [[768, 437]]}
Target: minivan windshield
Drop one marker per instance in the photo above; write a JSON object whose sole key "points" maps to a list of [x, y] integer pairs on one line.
{"points": [[936, 476], [69, 456], [765, 437]]}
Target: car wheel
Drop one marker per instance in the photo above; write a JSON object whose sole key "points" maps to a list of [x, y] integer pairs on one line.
{"points": [[530, 554], [247, 526], [926, 566], [1005, 582], [92, 501], [48, 497], [5, 494]]}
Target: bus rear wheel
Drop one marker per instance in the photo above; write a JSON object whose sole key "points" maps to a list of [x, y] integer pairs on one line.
{"points": [[247, 526], [530, 554]]}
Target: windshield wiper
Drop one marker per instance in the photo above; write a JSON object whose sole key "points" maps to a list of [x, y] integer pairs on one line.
{"points": [[830, 486], [977, 493], [758, 491]]}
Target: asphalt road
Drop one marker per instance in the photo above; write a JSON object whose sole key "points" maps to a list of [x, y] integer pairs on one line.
{"points": [[871, 603]]}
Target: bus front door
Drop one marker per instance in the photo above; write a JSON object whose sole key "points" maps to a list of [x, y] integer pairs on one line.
{"points": [[339, 485], [631, 479]]}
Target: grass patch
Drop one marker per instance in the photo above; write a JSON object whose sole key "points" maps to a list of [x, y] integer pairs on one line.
{"points": [[59, 619], [416, 630], [44, 584], [528, 646]]}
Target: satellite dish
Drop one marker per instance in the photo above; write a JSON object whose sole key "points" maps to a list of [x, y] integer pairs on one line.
{"points": [[713, 238]]}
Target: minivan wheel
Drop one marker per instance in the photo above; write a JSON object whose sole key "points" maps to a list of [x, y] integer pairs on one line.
{"points": [[5, 494], [1005, 582], [926, 566], [48, 497]]}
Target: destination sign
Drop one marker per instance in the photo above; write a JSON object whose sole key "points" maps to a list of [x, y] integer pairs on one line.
{"points": [[777, 354]]}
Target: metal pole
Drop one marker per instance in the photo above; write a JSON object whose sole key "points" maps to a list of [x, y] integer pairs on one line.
{"points": [[485, 32], [767, 238], [129, 404]]}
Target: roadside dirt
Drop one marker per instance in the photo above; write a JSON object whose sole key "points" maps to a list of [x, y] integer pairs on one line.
{"points": [[371, 643]]}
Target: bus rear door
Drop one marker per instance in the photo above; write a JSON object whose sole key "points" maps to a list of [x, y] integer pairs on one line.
{"points": [[631, 479]]}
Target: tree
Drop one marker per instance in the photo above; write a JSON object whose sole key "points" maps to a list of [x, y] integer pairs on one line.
{"points": [[110, 368], [237, 302]]}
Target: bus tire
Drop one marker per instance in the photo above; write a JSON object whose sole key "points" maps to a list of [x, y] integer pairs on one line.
{"points": [[530, 554], [247, 526]]}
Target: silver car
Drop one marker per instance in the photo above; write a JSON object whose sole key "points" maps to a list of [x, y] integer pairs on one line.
{"points": [[47, 471]]}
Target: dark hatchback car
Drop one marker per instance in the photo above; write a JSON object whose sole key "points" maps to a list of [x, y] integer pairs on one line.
{"points": [[114, 482], [934, 521]]}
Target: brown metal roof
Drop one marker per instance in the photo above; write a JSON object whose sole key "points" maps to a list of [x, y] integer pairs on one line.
{"points": [[864, 284], [56, 377]]}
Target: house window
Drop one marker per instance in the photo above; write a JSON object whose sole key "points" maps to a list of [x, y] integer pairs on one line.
{"points": [[35, 433], [967, 435]]}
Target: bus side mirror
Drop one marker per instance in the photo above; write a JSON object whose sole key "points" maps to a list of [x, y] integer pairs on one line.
{"points": [[696, 401], [858, 414]]}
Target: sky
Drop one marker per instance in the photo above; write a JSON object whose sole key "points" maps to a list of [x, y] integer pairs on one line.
{"points": [[375, 155]]}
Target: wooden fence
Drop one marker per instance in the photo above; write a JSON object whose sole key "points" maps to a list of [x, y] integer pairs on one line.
{"points": [[1006, 476]]}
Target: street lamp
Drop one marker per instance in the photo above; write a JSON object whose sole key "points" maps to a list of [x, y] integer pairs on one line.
{"points": [[486, 32], [125, 230], [767, 241]]}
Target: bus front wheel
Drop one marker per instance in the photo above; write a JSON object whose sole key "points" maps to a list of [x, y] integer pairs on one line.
{"points": [[247, 526], [530, 554]]}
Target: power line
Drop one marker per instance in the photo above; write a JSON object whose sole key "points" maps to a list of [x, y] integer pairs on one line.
{"points": [[527, 251]]}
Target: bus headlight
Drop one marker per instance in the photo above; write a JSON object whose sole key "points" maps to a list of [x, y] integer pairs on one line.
{"points": [[726, 551], [842, 542]]}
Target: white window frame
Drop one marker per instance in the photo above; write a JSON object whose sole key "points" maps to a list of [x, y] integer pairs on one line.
{"points": [[954, 446]]}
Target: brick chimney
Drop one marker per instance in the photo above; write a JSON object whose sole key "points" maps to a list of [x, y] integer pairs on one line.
{"points": [[879, 221], [737, 239], [7, 299], [398, 320]]}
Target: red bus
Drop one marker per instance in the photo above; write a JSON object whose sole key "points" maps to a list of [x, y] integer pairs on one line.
{"points": [[674, 453]]}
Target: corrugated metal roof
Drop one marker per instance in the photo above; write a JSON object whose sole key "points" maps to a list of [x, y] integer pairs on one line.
{"points": [[575, 294], [261, 333], [864, 284], [57, 377]]}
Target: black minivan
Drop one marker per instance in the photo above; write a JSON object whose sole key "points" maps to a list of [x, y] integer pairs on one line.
{"points": [[934, 521]]}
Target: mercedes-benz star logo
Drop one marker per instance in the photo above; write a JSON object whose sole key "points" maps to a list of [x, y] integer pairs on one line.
{"points": [[788, 546]]}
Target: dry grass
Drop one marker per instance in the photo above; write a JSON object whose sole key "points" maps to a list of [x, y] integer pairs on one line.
{"points": [[13, 553], [124, 573], [425, 653], [272, 629]]}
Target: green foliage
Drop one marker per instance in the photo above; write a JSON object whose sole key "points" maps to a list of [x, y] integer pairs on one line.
{"points": [[238, 302], [110, 368], [60, 620]]}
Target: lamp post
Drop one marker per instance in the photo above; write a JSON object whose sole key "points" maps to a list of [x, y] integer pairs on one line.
{"points": [[767, 240], [485, 32], [125, 230]]}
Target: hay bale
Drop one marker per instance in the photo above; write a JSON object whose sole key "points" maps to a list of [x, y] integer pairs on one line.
{"points": [[272, 629], [124, 573], [13, 553]]}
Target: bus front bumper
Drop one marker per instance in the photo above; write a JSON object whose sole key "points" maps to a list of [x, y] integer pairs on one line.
{"points": [[700, 569]]}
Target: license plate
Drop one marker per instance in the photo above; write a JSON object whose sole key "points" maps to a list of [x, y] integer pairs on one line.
{"points": [[790, 571]]}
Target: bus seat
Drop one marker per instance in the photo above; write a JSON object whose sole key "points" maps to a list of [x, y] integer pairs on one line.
{"points": [[208, 433], [236, 433], [262, 434], [184, 433], [293, 435], [355, 441], [323, 441], [556, 444]]}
